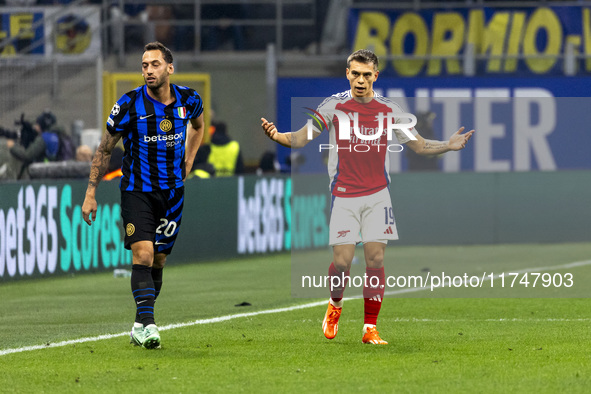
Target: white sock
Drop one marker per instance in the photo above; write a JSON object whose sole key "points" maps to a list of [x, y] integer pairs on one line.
{"points": [[137, 325], [336, 304], [366, 326]]}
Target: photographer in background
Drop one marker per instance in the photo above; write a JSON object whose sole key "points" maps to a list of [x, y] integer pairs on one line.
{"points": [[25, 133], [45, 145], [9, 165]]}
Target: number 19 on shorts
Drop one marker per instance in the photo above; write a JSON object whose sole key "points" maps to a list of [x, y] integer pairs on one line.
{"points": [[389, 215]]}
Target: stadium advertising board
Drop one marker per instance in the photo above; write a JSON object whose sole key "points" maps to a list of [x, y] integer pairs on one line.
{"points": [[271, 218], [522, 124], [47, 31], [42, 232], [502, 33]]}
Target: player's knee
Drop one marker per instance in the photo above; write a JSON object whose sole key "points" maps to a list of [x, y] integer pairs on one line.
{"points": [[159, 260], [343, 256], [342, 265], [375, 259], [342, 261], [143, 257]]}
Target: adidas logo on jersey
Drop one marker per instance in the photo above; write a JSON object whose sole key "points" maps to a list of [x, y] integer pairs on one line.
{"points": [[389, 230]]}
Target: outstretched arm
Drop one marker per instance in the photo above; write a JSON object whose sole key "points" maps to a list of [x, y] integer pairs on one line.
{"points": [[294, 139], [432, 147], [99, 166]]}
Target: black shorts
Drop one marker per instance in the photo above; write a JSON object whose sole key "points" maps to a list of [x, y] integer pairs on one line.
{"points": [[152, 216]]}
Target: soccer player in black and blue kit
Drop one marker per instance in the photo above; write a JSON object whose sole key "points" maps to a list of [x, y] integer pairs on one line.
{"points": [[162, 126]]}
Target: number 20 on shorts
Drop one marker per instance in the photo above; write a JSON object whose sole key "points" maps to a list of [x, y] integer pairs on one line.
{"points": [[166, 227]]}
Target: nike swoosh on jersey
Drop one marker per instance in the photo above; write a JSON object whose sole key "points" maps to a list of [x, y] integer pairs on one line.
{"points": [[146, 116]]}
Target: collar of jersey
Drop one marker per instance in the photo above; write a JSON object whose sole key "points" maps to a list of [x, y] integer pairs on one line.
{"points": [[172, 91], [373, 91]]}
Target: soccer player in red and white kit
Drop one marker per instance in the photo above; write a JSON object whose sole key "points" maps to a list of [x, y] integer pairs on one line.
{"points": [[358, 169]]}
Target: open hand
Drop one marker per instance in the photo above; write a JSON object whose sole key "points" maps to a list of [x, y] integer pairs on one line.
{"points": [[458, 140], [270, 129]]}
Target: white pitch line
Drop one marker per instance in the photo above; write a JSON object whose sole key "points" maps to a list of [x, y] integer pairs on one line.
{"points": [[163, 328], [279, 310]]}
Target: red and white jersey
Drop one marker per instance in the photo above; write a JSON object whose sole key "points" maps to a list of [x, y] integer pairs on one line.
{"points": [[359, 167]]}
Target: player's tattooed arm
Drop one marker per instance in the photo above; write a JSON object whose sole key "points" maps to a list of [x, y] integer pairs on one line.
{"points": [[101, 159], [99, 166], [432, 147]]}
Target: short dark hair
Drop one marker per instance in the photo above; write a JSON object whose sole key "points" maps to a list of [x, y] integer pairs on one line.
{"points": [[363, 56], [158, 46]]}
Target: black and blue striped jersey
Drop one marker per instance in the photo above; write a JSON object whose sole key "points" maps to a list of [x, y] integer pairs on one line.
{"points": [[154, 137]]}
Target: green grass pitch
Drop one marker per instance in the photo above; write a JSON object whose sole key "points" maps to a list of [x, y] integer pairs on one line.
{"points": [[437, 344]]}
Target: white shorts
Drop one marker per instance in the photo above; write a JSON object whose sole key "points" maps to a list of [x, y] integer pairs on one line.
{"points": [[362, 219]]}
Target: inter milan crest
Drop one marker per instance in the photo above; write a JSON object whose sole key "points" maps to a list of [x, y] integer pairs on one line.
{"points": [[129, 229], [166, 125]]}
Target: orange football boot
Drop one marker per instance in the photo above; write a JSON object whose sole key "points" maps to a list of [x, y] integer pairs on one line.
{"points": [[330, 324], [371, 335]]}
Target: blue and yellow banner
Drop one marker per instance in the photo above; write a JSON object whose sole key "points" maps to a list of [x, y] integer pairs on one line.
{"points": [[25, 27], [50, 31], [504, 41]]}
